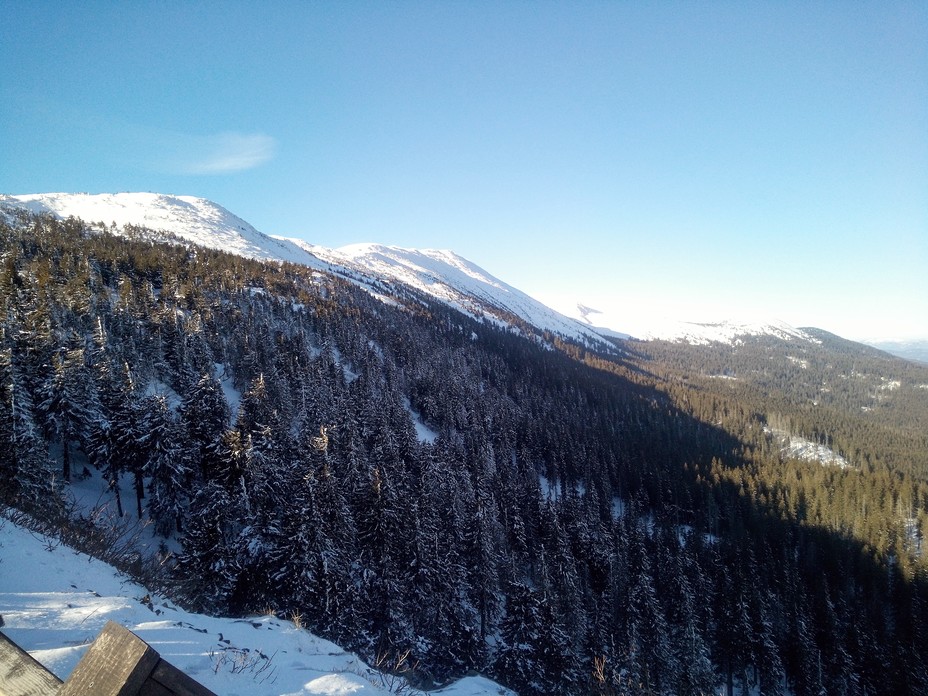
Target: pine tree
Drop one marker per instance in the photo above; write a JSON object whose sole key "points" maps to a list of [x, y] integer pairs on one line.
{"points": [[652, 664], [209, 548], [165, 466], [67, 404], [27, 479], [518, 663], [204, 417], [445, 619]]}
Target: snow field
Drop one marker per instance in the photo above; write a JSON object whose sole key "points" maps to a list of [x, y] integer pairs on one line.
{"points": [[55, 601]]}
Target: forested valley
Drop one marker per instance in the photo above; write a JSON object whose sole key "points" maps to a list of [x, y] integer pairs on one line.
{"points": [[411, 481]]}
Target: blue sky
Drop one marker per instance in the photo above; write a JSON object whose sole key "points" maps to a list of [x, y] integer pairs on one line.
{"points": [[697, 159]]}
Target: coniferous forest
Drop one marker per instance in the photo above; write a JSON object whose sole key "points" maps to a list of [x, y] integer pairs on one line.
{"points": [[412, 481]]}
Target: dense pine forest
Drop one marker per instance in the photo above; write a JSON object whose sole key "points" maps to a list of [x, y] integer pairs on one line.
{"points": [[447, 494]]}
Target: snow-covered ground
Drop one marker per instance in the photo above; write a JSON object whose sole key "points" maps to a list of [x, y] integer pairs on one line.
{"points": [[55, 601], [795, 447]]}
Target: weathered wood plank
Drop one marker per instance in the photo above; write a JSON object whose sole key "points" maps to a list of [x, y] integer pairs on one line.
{"points": [[117, 664], [178, 682], [153, 688], [21, 674]]}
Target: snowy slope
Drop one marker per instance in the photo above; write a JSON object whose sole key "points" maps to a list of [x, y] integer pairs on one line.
{"points": [[452, 279], [441, 274], [617, 322], [198, 220], [54, 601]]}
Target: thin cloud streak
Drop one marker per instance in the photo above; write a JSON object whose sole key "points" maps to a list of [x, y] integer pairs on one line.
{"points": [[226, 153]]}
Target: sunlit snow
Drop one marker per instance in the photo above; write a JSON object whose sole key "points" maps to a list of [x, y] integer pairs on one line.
{"points": [[442, 274], [55, 601], [438, 273]]}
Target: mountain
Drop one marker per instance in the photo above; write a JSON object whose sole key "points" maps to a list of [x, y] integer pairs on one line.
{"points": [[440, 274], [196, 220], [452, 279], [728, 332], [910, 350], [623, 324], [434, 490]]}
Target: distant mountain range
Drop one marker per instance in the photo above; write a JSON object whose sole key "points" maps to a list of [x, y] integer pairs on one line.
{"points": [[441, 274], [910, 350]]}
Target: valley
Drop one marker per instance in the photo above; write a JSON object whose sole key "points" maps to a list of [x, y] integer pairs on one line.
{"points": [[195, 380]]}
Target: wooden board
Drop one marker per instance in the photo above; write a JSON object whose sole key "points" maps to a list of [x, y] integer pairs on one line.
{"points": [[173, 681], [21, 674], [117, 664]]}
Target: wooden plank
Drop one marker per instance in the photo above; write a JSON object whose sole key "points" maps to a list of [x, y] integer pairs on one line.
{"points": [[177, 682], [117, 664], [21, 674], [153, 688]]}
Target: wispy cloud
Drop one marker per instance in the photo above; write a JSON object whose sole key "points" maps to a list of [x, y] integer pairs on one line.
{"points": [[175, 152], [223, 153], [124, 143]]}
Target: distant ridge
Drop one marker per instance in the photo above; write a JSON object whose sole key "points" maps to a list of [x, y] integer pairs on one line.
{"points": [[441, 274], [910, 350]]}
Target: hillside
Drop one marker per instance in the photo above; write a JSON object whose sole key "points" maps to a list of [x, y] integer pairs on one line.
{"points": [[442, 275], [61, 604], [559, 518]]}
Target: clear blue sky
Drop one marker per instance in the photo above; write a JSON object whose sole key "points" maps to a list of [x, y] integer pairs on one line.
{"points": [[691, 157]]}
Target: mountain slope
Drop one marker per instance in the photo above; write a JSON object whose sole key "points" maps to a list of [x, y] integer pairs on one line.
{"points": [[618, 322], [441, 274], [59, 606], [452, 279], [450, 546]]}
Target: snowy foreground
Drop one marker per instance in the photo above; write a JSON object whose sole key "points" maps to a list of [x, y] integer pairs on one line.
{"points": [[55, 601]]}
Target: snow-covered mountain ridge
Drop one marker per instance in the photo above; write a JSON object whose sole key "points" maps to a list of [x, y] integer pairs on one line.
{"points": [[452, 279], [655, 328], [197, 220], [441, 274]]}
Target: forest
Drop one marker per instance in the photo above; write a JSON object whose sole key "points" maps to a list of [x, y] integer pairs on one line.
{"points": [[428, 488]]}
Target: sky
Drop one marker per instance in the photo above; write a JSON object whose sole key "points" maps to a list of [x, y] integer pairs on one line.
{"points": [[700, 160]]}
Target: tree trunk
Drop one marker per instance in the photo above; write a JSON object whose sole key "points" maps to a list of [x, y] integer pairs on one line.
{"points": [[114, 484], [139, 492], [65, 458]]}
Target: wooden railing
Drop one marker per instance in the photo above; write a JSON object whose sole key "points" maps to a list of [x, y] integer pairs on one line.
{"points": [[118, 663]]}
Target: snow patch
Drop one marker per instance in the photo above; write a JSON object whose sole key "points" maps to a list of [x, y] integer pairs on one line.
{"points": [[794, 447], [233, 396], [423, 432]]}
